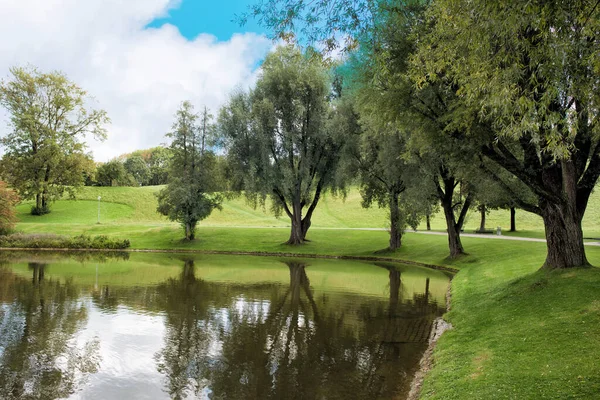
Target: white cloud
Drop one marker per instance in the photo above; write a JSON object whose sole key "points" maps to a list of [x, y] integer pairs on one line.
{"points": [[139, 76]]}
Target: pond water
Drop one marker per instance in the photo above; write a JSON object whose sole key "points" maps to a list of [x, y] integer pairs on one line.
{"points": [[152, 326]]}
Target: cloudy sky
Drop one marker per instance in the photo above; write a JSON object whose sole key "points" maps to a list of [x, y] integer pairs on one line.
{"points": [[138, 58]]}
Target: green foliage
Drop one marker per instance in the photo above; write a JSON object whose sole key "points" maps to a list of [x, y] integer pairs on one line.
{"points": [[190, 195], [155, 168], [522, 94], [113, 173], [8, 201], [44, 152], [138, 169], [279, 138], [158, 163], [317, 21], [53, 241], [527, 95]]}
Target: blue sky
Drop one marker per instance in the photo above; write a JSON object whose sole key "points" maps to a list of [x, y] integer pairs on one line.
{"points": [[193, 17]]}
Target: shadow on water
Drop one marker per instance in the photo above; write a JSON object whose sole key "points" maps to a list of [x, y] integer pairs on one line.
{"points": [[287, 329]]}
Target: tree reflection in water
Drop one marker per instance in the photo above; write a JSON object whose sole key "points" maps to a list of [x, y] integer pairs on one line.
{"points": [[186, 301], [230, 339], [38, 322], [272, 341]]}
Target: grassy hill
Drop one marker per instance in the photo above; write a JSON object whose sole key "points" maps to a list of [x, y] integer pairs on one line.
{"points": [[137, 206]]}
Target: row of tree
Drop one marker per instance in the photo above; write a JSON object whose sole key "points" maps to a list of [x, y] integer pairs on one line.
{"points": [[304, 129], [299, 133], [509, 88]]}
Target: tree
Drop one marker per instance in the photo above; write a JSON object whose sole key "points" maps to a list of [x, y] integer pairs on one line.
{"points": [[8, 200], [376, 153], [113, 173], [190, 195], [44, 152], [147, 166], [137, 168], [530, 85], [388, 93], [207, 130], [158, 162], [278, 138]]}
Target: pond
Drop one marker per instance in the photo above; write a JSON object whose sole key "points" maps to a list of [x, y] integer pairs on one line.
{"points": [[152, 326]]}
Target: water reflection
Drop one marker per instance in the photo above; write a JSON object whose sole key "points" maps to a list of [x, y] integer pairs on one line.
{"points": [[37, 358], [220, 328]]}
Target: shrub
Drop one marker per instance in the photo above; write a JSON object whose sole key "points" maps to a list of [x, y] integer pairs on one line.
{"points": [[52, 241], [8, 201], [43, 210]]}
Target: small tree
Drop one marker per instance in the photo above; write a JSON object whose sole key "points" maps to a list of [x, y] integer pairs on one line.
{"points": [[190, 195], [8, 200], [44, 151]]}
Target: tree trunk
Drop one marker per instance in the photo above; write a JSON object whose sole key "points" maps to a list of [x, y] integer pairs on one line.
{"points": [[297, 233], [513, 221], [189, 231], [44, 201], [306, 222], [454, 243], [395, 228], [446, 197], [564, 237], [482, 224], [38, 201], [45, 206], [428, 220]]}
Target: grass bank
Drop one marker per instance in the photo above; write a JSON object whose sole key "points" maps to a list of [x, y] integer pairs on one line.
{"points": [[518, 333]]}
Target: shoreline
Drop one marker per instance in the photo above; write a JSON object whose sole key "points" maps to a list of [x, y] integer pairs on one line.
{"points": [[242, 253]]}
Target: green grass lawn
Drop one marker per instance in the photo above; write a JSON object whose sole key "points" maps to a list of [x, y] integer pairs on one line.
{"points": [[128, 205], [519, 333]]}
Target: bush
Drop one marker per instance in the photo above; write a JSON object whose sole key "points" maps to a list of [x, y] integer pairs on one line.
{"points": [[43, 210], [51, 241], [8, 201]]}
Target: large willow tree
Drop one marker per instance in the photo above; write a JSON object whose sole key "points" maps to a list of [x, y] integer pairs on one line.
{"points": [[279, 139], [530, 82]]}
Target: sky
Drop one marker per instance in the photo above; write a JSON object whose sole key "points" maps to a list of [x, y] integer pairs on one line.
{"points": [[138, 59]]}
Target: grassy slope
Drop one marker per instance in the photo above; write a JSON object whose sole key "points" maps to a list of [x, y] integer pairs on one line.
{"points": [[124, 205], [518, 332]]}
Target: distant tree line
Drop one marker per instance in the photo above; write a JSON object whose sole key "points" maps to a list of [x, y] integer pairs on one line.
{"points": [[140, 168]]}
